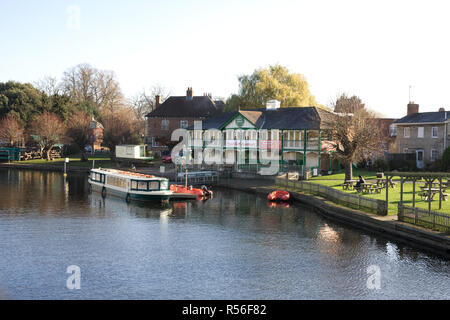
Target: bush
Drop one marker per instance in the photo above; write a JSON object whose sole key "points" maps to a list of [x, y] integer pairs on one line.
{"points": [[381, 165], [70, 150], [446, 159]]}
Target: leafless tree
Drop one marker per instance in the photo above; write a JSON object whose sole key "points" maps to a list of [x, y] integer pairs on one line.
{"points": [[121, 126], [79, 130], [145, 101], [355, 135], [49, 129], [49, 85], [87, 85], [11, 129]]}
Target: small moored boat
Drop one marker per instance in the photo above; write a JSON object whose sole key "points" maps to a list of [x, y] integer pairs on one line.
{"points": [[279, 195], [129, 185], [183, 192]]}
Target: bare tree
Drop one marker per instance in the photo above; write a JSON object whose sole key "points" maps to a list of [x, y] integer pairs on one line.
{"points": [[79, 130], [89, 86], [121, 127], [11, 129], [49, 129], [355, 135], [49, 85], [145, 101]]}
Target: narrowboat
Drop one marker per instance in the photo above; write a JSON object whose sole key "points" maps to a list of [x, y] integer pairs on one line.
{"points": [[129, 185]]}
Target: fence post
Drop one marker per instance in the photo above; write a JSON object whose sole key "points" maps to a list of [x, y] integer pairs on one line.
{"points": [[416, 215], [400, 212]]}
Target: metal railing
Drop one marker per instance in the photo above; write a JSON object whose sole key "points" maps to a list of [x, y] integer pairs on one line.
{"points": [[425, 218], [200, 177], [349, 200]]}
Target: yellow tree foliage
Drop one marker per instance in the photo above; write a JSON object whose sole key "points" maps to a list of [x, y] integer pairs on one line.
{"points": [[274, 82]]}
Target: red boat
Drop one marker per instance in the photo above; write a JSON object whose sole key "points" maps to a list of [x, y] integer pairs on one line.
{"points": [[183, 192], [279, 195]]}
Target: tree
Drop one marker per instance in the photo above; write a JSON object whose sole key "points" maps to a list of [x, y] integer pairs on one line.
{"points": [[121, 127], [274, 82], [92, 89], [49, 129], [11, 129], [345, 104], [446, 159], [22, 100], [145, 101], [79, 130], [355, 136]]}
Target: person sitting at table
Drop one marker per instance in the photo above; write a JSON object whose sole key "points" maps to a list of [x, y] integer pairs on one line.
{"points": [[361, 181]]}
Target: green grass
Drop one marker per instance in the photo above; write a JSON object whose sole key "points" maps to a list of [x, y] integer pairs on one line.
{"points": [[335, 181], [100, 160]]}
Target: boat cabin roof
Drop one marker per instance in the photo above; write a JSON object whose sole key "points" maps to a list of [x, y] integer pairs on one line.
{"points": [[127, 174]]}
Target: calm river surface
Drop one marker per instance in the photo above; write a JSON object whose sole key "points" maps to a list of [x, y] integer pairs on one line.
{"points": [[231, 247]]}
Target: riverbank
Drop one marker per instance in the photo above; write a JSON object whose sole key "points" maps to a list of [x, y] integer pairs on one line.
{"points": [[388, 226]]}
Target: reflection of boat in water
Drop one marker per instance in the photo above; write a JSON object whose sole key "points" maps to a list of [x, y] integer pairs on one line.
{"points": [[279, 195], [183, 192], [129, 185], [273, 204]]}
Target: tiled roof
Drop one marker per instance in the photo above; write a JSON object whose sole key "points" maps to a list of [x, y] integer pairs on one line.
{"points": [[292, 118], [180, 107], [424, 117]]}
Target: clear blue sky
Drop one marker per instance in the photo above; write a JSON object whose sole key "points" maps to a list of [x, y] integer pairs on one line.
{"points": [[374, 49]]}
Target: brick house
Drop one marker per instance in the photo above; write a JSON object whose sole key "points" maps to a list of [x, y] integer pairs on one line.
{"points": [[423, 134], [178, 112], [96, 136]]}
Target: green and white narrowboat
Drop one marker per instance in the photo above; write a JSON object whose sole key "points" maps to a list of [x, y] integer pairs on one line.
{"points": [[129, 185]]}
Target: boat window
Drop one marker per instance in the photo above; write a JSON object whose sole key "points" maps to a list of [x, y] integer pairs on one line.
{"points": [[164, 185], [154, 185], [142, 185], [97, 177], [117, 182], [133, 184]]}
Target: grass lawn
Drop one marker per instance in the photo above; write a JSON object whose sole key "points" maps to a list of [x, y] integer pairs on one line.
{"points": [[335, 181], [103, 161]]}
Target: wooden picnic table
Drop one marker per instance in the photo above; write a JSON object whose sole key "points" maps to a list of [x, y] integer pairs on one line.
{"points": [[370, 188], [349, 184], [433, 191]]}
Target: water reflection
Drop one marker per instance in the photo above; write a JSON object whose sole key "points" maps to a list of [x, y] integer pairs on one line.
{"points": [[234, 246]]}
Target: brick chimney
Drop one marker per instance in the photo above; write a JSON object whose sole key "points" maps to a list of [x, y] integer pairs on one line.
{"points": [[157, 101], [189, 94], [441, 110], [412, 108]]}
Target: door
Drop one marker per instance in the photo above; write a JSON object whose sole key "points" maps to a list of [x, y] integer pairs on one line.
{"points": [[419, 159]]}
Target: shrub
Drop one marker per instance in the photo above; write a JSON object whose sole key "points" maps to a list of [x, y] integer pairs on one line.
{"points": [[446, 159], [381, 165]]}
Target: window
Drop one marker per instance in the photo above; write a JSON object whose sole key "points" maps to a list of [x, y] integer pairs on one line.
{"points": [[434, 132], [97, 177], [154, 185], [164, 184], [434, 154], [184, 124], [420, 132], [406, 132], [393, 130], [154, 143], [165, 125]]}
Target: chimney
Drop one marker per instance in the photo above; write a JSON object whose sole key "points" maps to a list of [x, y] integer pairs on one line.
{"points": [[412, 108], [157, 101], [189, 93], [441, 110]]}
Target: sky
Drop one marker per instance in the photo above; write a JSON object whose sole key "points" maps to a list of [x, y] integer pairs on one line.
{"points": [[373, 49]]}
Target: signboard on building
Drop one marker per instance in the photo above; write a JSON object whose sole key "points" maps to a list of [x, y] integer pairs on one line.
{"points": [[241, 143], [269, 144]]}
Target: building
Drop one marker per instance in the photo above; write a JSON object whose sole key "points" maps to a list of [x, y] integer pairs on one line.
{"points": [[178, 112], [96, 136], [423, 134], [295, 135]]}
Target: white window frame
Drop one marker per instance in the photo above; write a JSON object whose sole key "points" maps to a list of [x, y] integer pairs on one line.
{"points": [[432, 132], [419, 131], [406, 130], [431, 155], [154, 143]]}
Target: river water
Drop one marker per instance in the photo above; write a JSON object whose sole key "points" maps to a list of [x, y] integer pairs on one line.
{"points": [[231, 247]]}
